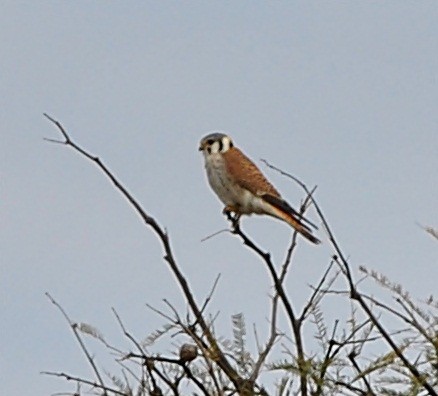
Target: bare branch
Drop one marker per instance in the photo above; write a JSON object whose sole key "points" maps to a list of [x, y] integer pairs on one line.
{"points": [[224, 369], [340, 259], [73, 326], [294, 323], [219, 356]]}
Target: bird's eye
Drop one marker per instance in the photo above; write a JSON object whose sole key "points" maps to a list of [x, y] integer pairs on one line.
{"points": [[210, 142]]}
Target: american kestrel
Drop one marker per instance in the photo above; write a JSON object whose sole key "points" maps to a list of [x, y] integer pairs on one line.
{"points": [[242, 187]]}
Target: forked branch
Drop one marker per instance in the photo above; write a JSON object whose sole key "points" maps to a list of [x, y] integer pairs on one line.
{"points": [[217, 354], [341, 260]]}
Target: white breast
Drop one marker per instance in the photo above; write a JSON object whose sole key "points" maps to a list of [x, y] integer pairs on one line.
{"points": [[219, 179]]}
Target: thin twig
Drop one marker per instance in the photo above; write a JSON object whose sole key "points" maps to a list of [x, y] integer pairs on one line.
{"points": [[73, 326], [127, 334], [69, 377], [270, 343], [315, 293], [214, 234]]}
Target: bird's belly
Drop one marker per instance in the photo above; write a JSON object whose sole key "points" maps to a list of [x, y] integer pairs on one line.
{"points": [[250, 203], [222, 186], [230, 193]]}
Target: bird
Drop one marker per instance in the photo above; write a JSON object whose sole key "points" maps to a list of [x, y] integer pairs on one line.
{"points": [[243, 188]]}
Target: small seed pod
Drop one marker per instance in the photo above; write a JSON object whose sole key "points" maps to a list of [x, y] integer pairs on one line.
{"points": [[188, 352]]}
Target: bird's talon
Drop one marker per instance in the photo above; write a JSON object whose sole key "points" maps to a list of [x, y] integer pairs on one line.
{"points": [[228, 209]]}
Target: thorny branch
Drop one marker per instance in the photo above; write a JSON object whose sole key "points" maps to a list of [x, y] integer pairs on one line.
{"points": [[340, 259], [216, 353], [159, 369]]}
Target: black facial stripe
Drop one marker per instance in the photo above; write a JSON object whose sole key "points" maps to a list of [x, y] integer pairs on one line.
{"points": [[221, 145], [231, 144], [209, 150]]}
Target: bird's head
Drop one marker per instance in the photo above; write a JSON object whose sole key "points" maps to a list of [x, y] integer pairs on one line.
{"points": [[215, 143]]}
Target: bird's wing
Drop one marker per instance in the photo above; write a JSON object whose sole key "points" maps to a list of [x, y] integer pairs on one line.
{"points": [[246, 174]]}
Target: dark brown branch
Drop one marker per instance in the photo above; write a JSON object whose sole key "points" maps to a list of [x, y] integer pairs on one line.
{"points": [[217, 353], [284, 269], [354, 293], [294, 323], [352, 357], [352, 388], [185, 367]]}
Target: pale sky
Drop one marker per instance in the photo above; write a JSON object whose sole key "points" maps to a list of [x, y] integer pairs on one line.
{"points": [[341, 94]]}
